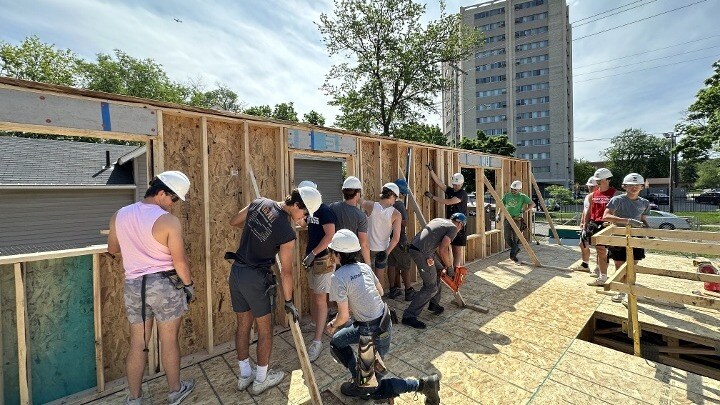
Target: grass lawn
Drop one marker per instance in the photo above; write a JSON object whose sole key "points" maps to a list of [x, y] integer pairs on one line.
{"points": [[710, 218]]}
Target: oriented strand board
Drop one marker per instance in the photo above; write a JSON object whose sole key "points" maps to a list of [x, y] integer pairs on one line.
{"points": [[263, 143], [369, 165], [115, 326]]}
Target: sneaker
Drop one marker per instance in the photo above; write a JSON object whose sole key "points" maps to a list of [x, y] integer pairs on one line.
{"points": [[595, 272], [431, 389], [413, 322], [273, 378], [136, 401], [394, 292], [244, 382], [598, 282], [349, 389], [186, 387], [515, 259], [436, 308], [409, 294], [314, 350], [618, 297]]}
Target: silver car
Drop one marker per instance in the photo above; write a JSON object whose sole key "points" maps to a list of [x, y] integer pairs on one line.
{"points": [[666, 220]]}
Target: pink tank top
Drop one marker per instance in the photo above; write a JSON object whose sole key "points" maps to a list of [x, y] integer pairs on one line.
{"points": [[141, 253]]}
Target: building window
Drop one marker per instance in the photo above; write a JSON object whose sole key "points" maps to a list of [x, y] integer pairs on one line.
{"points": [[532, 31], [490, 93], [496, 38], [533, 17], [532, 73], [491, 106], [532, 45], [495, 118], [533, 128], [533, 114], [534, 142], [492, 26], [489, 13], [492, 52], [532, 59], [529, 4], [533, 101], [535, 156], [541, 169], [533, 87], [488, 66], [495, 131], [491, 79]]}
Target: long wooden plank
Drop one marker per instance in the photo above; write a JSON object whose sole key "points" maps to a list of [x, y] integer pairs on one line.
{"points": [[21, 318], [54, 254], [513, 225], [541, 200], [480, 209], [657, 244], [670, 234], [667, 296], [685, 275], [307, 370], [632, 298], [206, 226], [97, 315]]}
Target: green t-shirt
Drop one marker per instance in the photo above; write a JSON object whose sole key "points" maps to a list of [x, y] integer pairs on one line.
{"points": [[514, 203]]}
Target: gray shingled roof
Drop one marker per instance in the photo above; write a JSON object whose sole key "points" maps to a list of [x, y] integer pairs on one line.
{"points": [[26, 161]]}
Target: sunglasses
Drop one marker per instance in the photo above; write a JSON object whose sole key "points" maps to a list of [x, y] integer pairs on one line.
{"points": [[174, 198]]}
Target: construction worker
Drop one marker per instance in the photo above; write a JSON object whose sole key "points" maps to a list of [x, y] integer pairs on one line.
{"points": [[267, 231], [349, 216], [584, 240], [158, 283], [321, 228], [356, 289], [598, 202], [430, 252], [627, 209], [399, 259], [517, 204], [384, 223], [456, 200]]}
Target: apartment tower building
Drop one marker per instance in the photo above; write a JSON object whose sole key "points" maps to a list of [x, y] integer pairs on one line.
{"points": [[518, 84]]}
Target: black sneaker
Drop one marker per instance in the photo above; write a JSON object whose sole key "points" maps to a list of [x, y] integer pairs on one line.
{"points": [[436, 309], [349, 389], [431, 389], [515, 259], [414, 322], [409, 294], [394, 292]]}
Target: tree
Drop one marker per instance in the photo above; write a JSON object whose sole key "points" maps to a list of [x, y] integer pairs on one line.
{"points": [[314, 117], [393, 73], [583, 171], [561, 195], [39, 62], [708, 174], [496, 145], [285, 111], [260, 111], [415, 131], [221, 98], [634, 151], [701, 125]]}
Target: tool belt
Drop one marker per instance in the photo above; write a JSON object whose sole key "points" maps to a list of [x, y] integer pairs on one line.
{"points": [[323, 265], [520, 221]]}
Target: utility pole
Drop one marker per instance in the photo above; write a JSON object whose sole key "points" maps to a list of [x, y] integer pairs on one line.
{"points": [[455, 101], [671, 177]]}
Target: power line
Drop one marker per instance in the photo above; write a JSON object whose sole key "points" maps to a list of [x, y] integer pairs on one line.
{"points": [[642, 53], [646, 61], [637, 21], [609, 15], [607, 11], [640, 70]]}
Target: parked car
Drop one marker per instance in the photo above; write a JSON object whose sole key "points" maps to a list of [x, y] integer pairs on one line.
{"points": [[710, 197], [658, 198], [666, 220]]}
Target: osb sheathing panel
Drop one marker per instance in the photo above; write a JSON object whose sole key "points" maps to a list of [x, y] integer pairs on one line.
{"points": [[389, 162], [115, 327], [183, 151], [369, 164], [227, 174], [263, 143]]}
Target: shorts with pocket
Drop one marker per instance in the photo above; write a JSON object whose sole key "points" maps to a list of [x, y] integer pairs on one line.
{"points": [[249, 289], [400, 258], [163, 301]]}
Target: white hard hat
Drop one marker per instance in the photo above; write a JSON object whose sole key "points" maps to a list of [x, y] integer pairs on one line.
{"points": [[352, 182], [591, 182], [602, 173], [307, 183], [393, 187], [458, 178], [345, 241], [633, 179], [516, 185], [176, 181], [311, 198]]}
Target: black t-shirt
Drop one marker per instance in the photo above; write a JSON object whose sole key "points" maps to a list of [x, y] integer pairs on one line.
{"points": [[400, 206], [323, 216], [459, 207], [266, 228]]}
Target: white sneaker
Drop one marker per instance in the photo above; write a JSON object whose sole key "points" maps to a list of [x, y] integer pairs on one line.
{"points": [[244, 382], [186, 387], [619, 297], [136, 401], [595, 272], [314, 350], [625, 301], [598, 282], [273, 378]]}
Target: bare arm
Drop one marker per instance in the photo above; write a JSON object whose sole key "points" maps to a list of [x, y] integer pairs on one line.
{"points": [[325, 241], [367, 206], [447, 201], [437, 180], [286, 268], [364, 247], [113, 244], [341, 318], [239, 218], [396, 221], [609, 216], [444, 251], [177, 247]]}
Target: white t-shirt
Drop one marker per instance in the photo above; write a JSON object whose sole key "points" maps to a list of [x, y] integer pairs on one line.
{"points": [[586, 204]]}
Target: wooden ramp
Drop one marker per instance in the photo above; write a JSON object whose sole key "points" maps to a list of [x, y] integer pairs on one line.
{"points": [[524, 350]]}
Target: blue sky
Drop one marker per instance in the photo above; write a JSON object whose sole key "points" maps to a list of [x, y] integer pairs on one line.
{"points": [[270, 51]]}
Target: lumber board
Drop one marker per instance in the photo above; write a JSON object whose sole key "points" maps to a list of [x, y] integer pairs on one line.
{"points": [[55, 254], [206, 233], [630, 279], [541, 200], [97, 312], [685, 275], [670, 234], [667, 296], [657, 244], [21, 318]]}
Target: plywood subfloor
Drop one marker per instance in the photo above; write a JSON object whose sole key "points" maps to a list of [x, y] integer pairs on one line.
{"points": [[524, 350]]}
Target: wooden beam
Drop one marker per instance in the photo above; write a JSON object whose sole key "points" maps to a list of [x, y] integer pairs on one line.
{"points": [[685, 275], [667, 296], [206, 226], [159, 145], [22, 341], [97, 315], [480, 209], [541, 200], [632, 298], [657, 244], [54, 254], [671, 234]]}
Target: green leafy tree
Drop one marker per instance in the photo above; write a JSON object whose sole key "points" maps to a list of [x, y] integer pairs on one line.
{"points": [[496, 145], [701, 126], [260, 111], [285, 111], [39, 62], [314, 117], [583, 171], [708, 174], [221, 98], [415, 131], [561, 195], [634, 151], [393, 71]]}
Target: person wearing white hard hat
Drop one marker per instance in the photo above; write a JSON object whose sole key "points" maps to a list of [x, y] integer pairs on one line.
{"points": [[598, 202], [158, 283], [355, 288], [267, 231], [584, 240], [321, 228], [456, 200], [399, 261], [517, 204], [383, 227], [627, 209], [349, 216]]}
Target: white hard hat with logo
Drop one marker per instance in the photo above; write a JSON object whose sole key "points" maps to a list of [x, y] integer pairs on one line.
{"points": [[307, 183], [345, 241], [633, 179], [393, 187], [311, 198], [591, 182], [176, 181], [458, 178], [516, 185], [352, 182], [602, 174]]}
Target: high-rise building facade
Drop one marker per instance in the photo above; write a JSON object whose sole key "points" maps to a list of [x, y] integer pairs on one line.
{"points": [[518, 84]]}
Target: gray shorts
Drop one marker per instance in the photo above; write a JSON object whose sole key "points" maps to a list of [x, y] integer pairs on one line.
{"points": [[319, 283], [400, 258], [248, 289], [163, 301]]}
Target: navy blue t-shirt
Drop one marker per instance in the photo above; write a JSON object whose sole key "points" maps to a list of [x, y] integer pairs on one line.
{"points": [[323, 216], [460, 207], [266, 228]]}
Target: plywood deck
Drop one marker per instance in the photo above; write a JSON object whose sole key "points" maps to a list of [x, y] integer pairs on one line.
{"points": [[524, 350]]}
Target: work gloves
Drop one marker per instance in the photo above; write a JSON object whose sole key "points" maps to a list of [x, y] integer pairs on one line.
{"points": [[189, 291], [428, 194], [429, 166], [381, 259], [308, 260], [290, 309]]}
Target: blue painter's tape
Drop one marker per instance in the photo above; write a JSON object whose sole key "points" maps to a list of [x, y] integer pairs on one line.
{"points": [[105, 114]]}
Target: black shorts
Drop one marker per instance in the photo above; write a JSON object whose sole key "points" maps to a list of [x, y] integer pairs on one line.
{"points": [[248, 286], [619, 253], [460, 238], [594, 227]]}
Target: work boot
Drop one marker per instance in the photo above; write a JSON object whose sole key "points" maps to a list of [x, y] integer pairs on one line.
{"points": [[414, 322], [349, 389], [436, 308], [430, 387], [394, 292], [409, 294]]}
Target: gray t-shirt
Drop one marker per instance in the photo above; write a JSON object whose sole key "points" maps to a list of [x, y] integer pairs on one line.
{"points": [[430, 237], [355, 283], [349, 217], [400, 206], [624, 207], [266, 228]]}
